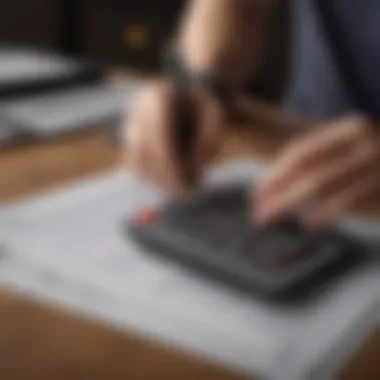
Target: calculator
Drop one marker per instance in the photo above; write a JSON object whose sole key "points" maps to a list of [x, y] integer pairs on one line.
{"points": [[213, 235]]}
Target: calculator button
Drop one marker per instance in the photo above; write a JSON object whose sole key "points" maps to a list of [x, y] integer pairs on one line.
{"points": [[274, 249], [292, 253], [332, 248]]}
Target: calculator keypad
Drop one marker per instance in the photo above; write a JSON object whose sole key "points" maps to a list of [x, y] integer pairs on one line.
{"points": [[217, 228], [222, 223]]}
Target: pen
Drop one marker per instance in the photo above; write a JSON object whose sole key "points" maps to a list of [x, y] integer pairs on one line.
{"points": [[185, 131]]}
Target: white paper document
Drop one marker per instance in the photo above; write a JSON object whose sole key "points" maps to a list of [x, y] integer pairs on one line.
{"points": [[72, 247]]}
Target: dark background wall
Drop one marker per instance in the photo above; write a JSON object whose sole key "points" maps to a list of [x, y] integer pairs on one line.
{"points": [[128, 32], [32, 22], [122, 32]]}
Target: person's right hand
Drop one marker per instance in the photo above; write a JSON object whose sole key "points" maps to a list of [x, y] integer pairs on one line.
{"points": [[149, 136]]}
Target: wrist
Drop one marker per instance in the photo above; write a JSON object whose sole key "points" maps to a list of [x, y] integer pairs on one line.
{"points": [[209, 80]]}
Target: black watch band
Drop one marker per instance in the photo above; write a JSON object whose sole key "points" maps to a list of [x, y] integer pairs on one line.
{"points": [[175, 68]]}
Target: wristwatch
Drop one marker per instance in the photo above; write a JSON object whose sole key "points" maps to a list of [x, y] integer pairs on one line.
{"points": [[175, 68]]}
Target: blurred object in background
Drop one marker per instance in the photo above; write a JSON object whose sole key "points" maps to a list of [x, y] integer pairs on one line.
{"points": [[69, 110], [127, 32], [45, 95], [28, 72], [32, 23]]}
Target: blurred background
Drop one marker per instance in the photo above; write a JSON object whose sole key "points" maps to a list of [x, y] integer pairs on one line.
{"points": [[123, 33], [69, 66], [68, 72]]}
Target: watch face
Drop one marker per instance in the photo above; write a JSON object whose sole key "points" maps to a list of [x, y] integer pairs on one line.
{"points": [[215, 86], [176, 68]]}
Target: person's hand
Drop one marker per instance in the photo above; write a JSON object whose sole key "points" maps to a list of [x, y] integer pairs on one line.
{"points": [[323, 175], [149, 136]]}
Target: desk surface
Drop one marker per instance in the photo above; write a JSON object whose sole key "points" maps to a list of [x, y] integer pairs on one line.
{"points": [[40, 342]]}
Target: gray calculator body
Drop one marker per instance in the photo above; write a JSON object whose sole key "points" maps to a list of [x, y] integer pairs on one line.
{"points": [[213, 234]]}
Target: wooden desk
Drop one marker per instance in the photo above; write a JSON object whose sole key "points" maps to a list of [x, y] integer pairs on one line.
{"points": [[35, 167], [39, 342]]}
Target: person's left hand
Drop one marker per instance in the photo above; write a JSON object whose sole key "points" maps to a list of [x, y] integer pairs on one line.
{"points": [[324, 174]]}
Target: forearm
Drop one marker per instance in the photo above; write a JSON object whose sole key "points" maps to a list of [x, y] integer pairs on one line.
{"points": [[226, 37]]}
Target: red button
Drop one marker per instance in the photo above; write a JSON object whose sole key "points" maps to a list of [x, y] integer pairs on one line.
{"points": [[146, 216]]}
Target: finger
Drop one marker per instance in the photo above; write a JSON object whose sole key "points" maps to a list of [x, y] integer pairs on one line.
{"points": [[313, 187], [136, 147], [133, 131], [333, 141], [164, 162], [147, 169], [142, 158], [345, 201], [144, 137], [132, 152]]}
